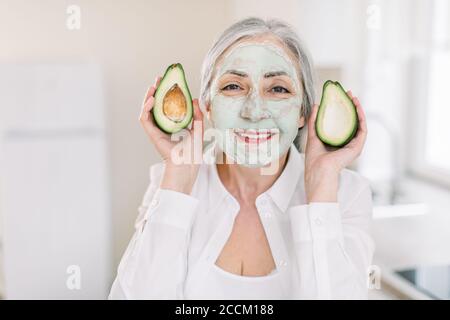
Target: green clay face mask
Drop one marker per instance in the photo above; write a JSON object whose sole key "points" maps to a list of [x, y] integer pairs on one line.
{"points": [[257, 124]]}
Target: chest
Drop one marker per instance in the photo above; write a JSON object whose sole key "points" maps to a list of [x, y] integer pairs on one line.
{"points": [[247, 251]]}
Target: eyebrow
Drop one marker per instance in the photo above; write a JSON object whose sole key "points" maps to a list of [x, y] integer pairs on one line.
{"points": [[274, 74], [267, 75], [237, 73]]}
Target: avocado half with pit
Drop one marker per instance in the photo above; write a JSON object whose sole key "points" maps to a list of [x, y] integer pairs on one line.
{"points": [[172, 109], [337, 119]]}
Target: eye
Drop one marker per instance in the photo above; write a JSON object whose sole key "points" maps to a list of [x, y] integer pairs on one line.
{"points": [[279, 89], [231, 86]]}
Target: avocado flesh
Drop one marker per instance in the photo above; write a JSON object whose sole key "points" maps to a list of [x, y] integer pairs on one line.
{"points": [[173, 109], [337, 119]]}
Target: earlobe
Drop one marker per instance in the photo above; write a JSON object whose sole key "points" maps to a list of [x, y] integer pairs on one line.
{"points": [[208, 111], [301, 122]]}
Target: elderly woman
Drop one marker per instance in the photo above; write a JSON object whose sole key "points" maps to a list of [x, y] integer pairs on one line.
{"points": [[227, 229]]}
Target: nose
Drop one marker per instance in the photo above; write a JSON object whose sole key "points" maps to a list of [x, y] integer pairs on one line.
{"points": [[254, 109]]}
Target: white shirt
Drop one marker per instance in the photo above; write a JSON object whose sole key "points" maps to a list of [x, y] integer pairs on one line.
{"points": [[221, 284], [322, 250]]}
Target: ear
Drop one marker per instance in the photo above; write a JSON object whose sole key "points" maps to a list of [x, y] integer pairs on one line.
{"points": [[208, 110], [301, 122]]}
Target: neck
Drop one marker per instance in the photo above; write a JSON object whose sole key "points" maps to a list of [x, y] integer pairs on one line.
{"points": [[245, 183]]}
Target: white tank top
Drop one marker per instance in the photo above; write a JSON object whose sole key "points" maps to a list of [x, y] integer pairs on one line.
{"points": [[216, 283]]}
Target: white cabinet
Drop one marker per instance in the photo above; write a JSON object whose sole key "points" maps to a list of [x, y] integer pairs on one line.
{"points": [[54, 195]]}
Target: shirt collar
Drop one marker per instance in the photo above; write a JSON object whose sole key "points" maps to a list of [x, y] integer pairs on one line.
{"points": [[217, 191], [284, 187], [280, 192]]}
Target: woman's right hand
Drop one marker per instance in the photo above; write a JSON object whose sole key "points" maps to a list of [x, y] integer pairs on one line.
{"points": [[181, 169]]}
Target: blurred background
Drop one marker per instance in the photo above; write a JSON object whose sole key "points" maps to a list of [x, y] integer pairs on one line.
{"points": [[74, 161]]}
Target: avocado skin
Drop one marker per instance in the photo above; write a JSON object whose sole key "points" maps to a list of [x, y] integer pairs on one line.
{"points": [[170, 67], [355, 129]]}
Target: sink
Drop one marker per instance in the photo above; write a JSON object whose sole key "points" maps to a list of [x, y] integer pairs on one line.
{"points": [[400, 210]]}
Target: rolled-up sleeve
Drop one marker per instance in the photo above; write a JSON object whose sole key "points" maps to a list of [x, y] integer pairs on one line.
{"points": [[154, 264], [333, 246]]}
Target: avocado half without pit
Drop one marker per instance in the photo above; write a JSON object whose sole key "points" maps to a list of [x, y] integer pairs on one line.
{"points": [[172, 109], [337, 119]]}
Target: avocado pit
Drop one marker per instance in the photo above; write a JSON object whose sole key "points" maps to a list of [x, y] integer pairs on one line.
{"points": [[174, 104]]}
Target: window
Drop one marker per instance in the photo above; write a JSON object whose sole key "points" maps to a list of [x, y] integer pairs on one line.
{"points": [[437, 139], [431, 142]]}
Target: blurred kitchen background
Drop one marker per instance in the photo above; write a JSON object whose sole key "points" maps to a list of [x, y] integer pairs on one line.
{"points": [[74, 161]]}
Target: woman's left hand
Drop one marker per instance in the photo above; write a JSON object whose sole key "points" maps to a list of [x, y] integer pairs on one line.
{"points": [[323, 165]]}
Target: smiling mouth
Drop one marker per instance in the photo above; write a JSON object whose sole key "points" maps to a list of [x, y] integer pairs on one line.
{"points": [[253, 136]]}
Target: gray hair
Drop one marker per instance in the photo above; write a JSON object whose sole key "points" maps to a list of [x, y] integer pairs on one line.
{"points": [[248, 28]]}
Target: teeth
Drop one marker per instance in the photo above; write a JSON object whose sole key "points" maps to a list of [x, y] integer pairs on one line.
{"points": [[256, 134]]}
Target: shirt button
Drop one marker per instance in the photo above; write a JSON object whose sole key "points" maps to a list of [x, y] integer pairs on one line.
{"points": [[282, 263], [267, 214], [318, 221], [154, 202]]}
